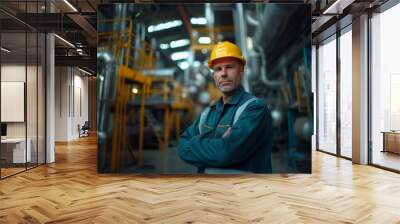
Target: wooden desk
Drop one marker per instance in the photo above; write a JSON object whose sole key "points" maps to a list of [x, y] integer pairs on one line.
{"points": [[391, 141]]}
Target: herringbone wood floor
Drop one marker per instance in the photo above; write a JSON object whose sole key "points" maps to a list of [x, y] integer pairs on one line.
{"points": [[71, 191]]}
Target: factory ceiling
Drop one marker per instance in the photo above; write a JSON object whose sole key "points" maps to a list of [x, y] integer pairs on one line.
{"points": [[76, 22]]}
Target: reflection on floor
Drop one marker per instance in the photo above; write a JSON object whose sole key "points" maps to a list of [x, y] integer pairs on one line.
{"points": [[168, 162], [162, 162], [387, 159], [10, 171]]}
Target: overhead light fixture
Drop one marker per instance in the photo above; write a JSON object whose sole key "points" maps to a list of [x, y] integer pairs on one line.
{"points": [[5, 49], [249, 43], [135, 90], [164, 46], [204, 40], [163, 26], [65, 41], [183, 65], [84, 71], [198, 21], [179, 55], [179, 43], [70, 5]]}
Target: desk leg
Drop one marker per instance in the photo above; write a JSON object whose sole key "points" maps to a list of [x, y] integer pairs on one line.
{"points": [[384, 142]]}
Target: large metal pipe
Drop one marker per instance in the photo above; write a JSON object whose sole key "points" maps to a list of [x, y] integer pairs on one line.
{"points": [[264, 76], [106, 71], [251, 20], [269, 25]]}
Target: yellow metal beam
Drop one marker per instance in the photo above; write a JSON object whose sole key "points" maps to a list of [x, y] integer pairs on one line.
{"points": [[199, 47], [134, 75]]}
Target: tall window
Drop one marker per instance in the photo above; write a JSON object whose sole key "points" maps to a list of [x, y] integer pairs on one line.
{"points": [[327, 95], [385, 87], [314, 90], [346, 93]]}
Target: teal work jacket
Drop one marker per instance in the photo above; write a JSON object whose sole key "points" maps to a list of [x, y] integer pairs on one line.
{"points": [[247, 147]]}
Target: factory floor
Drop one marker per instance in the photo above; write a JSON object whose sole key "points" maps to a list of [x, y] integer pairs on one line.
{"points": [[71, 191]]}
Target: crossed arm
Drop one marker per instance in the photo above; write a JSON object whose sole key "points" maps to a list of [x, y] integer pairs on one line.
{"points": [[205, 151]]}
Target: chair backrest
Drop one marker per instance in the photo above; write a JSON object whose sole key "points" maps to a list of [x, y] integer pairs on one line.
{"points": [[86, 125]]}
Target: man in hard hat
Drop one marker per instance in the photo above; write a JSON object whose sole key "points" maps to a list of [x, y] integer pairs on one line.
{"points": [[233, 134]]}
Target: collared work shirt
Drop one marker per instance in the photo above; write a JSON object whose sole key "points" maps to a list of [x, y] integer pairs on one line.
{"points": [[246, 147]]}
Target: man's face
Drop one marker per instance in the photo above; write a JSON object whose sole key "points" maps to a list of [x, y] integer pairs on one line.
{"points": [[228, 74]]}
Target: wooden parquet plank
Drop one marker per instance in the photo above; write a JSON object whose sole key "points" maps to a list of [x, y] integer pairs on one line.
{"points": [[71, 191]]}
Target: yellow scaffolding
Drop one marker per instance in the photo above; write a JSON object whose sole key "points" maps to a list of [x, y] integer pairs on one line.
{"points": [[122, 41], [128, 79]]}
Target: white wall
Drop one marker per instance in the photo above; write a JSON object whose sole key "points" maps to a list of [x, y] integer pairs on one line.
{"points": [[16, 73], [33, 127], [61, 103], [71, 94]]}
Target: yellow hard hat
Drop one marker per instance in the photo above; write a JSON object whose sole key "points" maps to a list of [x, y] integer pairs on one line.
{"points": [[225, 50]]}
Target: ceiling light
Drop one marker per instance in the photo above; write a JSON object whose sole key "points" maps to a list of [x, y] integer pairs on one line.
{"points": [[204, 40], [179, 43], [135, 90], [86, 72], [79, 50], [249, 43], [65, 41], [183, 65], [198, 21], [179, 55], [70, 5], [164, 46], [163, 26], [5, 49]]}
